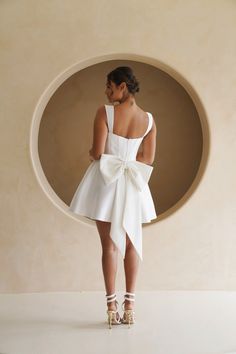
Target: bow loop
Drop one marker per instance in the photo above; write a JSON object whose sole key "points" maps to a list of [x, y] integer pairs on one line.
{"points": [[112, 167]]}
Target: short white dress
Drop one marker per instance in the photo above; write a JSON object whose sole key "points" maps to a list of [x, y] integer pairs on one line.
{"points": [[115, 188]]}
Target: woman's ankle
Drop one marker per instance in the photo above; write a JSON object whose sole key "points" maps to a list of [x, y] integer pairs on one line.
{"points": [[129, 305], [111, 305], [129, 299]]}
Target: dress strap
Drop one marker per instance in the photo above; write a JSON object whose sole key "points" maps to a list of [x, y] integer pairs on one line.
{"points": [[110, 116], [150, 122]]}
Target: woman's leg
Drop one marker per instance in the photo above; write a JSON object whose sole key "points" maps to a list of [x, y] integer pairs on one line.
{"points": [[109, 259], [131, 263]]}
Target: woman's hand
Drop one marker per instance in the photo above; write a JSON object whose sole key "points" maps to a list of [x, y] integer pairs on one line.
{"points": [[91, 158]]}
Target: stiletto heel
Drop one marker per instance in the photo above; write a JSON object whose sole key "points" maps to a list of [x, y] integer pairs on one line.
{"points": [[113, 319], [128, 316]]}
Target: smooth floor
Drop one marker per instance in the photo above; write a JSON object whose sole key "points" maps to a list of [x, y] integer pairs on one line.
{"points": [[167, 322]]}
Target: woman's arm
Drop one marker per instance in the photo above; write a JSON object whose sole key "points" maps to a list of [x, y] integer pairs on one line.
{"points": [[147, 154], [99, 134]]}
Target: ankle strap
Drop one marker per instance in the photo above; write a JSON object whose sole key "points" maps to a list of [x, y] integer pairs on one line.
{"points": [[128, 297], [111, 297]]}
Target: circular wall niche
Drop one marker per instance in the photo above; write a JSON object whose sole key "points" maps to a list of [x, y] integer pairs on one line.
{"points": [[62, 128]]}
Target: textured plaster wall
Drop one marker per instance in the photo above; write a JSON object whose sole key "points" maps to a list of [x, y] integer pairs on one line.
{"points": [[42, 248]]}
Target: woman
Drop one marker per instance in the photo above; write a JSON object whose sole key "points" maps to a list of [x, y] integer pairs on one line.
{"points": [[114, 190]]}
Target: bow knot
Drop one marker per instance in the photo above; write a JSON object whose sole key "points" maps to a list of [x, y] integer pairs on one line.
{"points": [[132, 176]]}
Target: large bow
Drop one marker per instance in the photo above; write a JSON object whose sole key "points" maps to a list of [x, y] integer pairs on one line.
{"points": [[131, 176]]}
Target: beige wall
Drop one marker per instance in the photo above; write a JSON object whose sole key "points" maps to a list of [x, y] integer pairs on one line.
{"points": [[42, 248]]}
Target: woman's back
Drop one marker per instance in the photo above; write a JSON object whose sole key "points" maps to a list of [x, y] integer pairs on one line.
{"points": [[130, 122], [118, 144]]}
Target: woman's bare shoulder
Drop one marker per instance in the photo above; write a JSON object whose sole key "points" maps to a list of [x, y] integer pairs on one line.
{"points": [[101, 112]]}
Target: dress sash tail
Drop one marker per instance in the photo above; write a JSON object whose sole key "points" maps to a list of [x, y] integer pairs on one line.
{"points": [[131, 177]]}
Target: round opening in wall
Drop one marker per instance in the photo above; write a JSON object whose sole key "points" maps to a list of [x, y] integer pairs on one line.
{"points": [[62, 130]]}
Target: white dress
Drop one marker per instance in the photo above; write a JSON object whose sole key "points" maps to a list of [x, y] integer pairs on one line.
{"points": [[115, 188]]}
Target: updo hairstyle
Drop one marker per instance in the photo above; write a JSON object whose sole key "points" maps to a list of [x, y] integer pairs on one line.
{"points": [[124, 74]]}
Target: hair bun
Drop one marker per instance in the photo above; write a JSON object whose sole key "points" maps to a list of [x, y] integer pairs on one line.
{"points": [[136, 84], [124, 74]]}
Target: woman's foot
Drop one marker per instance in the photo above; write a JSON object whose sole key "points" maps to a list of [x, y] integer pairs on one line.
{"points": [[113, 307], [113, 314], [128, 305]]}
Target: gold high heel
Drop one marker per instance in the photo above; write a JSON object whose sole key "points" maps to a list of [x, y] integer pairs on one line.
{"points": [[113, 319], [128, 317]]}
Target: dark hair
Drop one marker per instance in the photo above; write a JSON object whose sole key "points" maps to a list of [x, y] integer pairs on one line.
{"points": [[124, 74]]}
